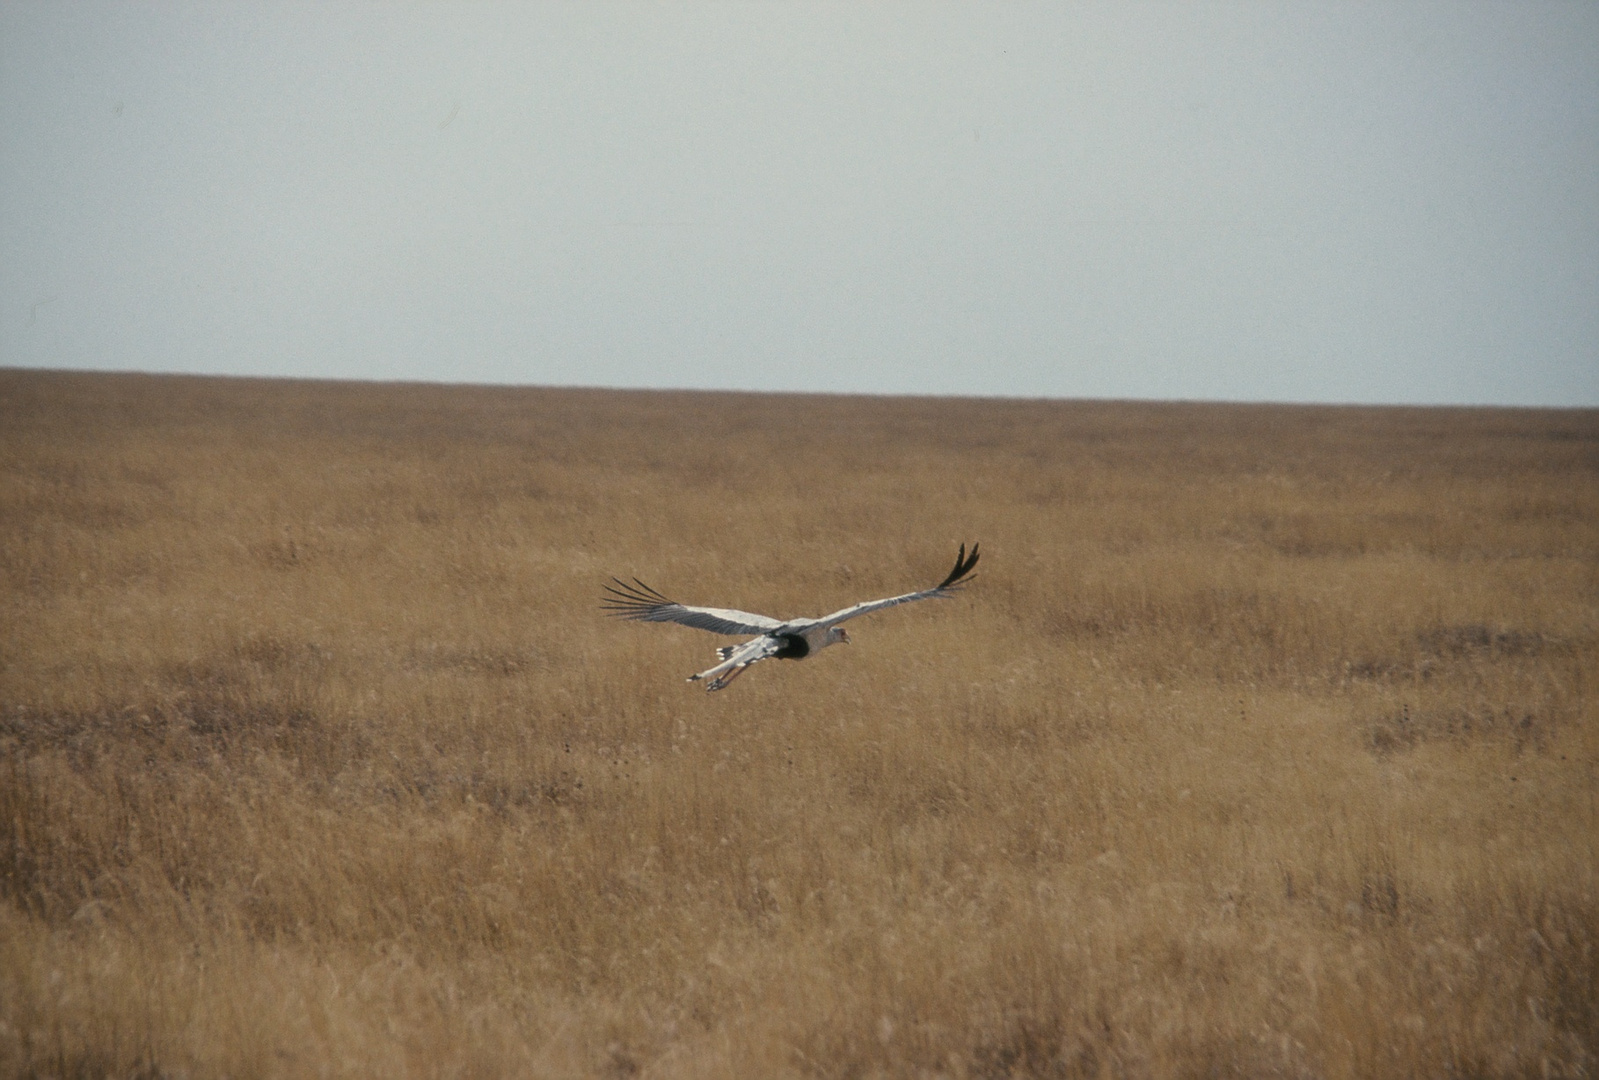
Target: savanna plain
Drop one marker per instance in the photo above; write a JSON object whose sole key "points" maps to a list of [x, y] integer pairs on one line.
{"points": [[1263, 743]]}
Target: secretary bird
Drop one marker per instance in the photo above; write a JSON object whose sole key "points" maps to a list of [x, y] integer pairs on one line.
{"points": [[785, 639]]}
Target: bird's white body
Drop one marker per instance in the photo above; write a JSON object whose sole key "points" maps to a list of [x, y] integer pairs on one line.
{"points": [[792, 639], [786, 646]]}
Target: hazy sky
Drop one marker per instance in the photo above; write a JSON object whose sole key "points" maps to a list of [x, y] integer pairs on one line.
{"points": [[1278, 201]]}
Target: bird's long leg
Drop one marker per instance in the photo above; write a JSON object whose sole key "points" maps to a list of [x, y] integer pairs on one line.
{"points": [[723, 680]]}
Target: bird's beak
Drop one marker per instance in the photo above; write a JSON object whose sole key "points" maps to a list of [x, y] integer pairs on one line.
{"points": [[843, 635]]}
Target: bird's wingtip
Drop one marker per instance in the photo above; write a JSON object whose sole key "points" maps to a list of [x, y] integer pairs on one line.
{"points": [[962, 572]]}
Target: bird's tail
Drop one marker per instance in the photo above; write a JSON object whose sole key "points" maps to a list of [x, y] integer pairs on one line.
{"points": [[735, 658]]}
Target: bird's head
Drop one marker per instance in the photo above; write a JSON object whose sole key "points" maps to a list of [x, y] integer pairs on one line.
{"points": [[836, 634]]}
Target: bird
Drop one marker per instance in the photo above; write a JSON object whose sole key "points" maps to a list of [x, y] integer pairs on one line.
{"points": [[785, 639]]}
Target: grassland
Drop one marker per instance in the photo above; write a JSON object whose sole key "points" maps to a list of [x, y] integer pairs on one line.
{"points": [[1263, 745]]}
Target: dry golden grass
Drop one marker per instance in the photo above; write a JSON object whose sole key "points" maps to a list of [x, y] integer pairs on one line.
{"points": [[1261, 746]]}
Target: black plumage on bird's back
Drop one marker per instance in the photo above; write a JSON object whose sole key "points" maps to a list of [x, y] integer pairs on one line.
{"points": [[794, 647]]}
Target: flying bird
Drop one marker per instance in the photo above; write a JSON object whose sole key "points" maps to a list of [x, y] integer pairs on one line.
{"points": [[786, 639]]}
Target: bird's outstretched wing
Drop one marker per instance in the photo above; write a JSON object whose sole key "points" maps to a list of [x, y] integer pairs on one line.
{"points": [[957, 577], [640, 602]]}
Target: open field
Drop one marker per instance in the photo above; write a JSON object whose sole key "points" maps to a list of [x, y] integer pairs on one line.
{"points": [[1264, 743]]}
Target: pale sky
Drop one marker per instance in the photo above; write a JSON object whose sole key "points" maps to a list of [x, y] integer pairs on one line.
{"points": [[1391, 202]]}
